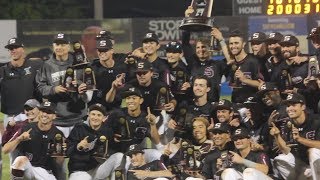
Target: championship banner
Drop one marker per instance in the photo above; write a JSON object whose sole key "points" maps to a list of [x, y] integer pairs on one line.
{"points": [[295, 25]]}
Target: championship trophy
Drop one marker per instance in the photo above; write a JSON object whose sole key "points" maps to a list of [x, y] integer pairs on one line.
{"points": [[68, 78], [291, 142], [180, 119], [101, 148], [119, 172], [162, 99], [79, 55], [80, 62], [181, 78], [89, 78], [189, 160], [200, 19], [313, 69], [57, 147], [124, 130], [235, 82], [226, 159], [285, 80]]}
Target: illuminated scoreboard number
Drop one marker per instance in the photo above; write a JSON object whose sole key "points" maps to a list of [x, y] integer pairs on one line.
{"points": [[287, 7]]}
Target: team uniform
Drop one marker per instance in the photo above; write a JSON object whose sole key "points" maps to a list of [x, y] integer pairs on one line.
{"points": [[156, 165], [150, 93], [104, 78], [160, 70], [138, 126], [300, 155], [213, 70], [82, 164], [174, 73], [238, 171], [12, 79], [250, 68], [40, 165], [209, 168]]}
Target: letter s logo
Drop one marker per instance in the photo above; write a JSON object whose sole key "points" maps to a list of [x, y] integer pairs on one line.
{"points": [[140, 65], [60, 36], [103, 43]]}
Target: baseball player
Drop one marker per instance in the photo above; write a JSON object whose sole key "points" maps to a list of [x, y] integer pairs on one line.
{"points": [[139, 169], [34, 161], [305, 128], [247, 164], [85, 140]]}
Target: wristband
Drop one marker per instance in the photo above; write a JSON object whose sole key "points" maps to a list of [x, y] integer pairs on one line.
{"points": [[222, 43]]}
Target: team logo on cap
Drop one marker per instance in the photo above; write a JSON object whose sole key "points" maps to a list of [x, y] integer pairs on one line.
{"points": [[250, 98], [98, 104], [131, 147], [238, 131], [287, 38], [60, 36], [47, 104], [131, 89], [290, 96], [141, 65], [12, 41], [255, 36], [149, 35], [272, 35], [221, 102]]}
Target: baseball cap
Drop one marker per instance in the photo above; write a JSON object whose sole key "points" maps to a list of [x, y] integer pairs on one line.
{"points": [[266, 88], [104, 44], [224, 104], [131, 91], [150, 37], [258, 37], [221, 128], [274, 37], [289, 40], [143, 65], [174, 47], [14, 43], [32, 103], [98, 107], [294, 98], [240, 133], [104, 34], [61, 38], [134, 149], [48, 107], [314, 32]]}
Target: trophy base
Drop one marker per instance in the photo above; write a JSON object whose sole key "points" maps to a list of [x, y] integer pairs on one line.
{"points": [[196, 24], [58, 155], [158, 109], [80, 65], [125, 140], [179, 92]]}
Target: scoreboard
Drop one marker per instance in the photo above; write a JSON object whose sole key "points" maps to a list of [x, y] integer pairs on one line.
{"points": [[276, 7], [292, 7]]}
